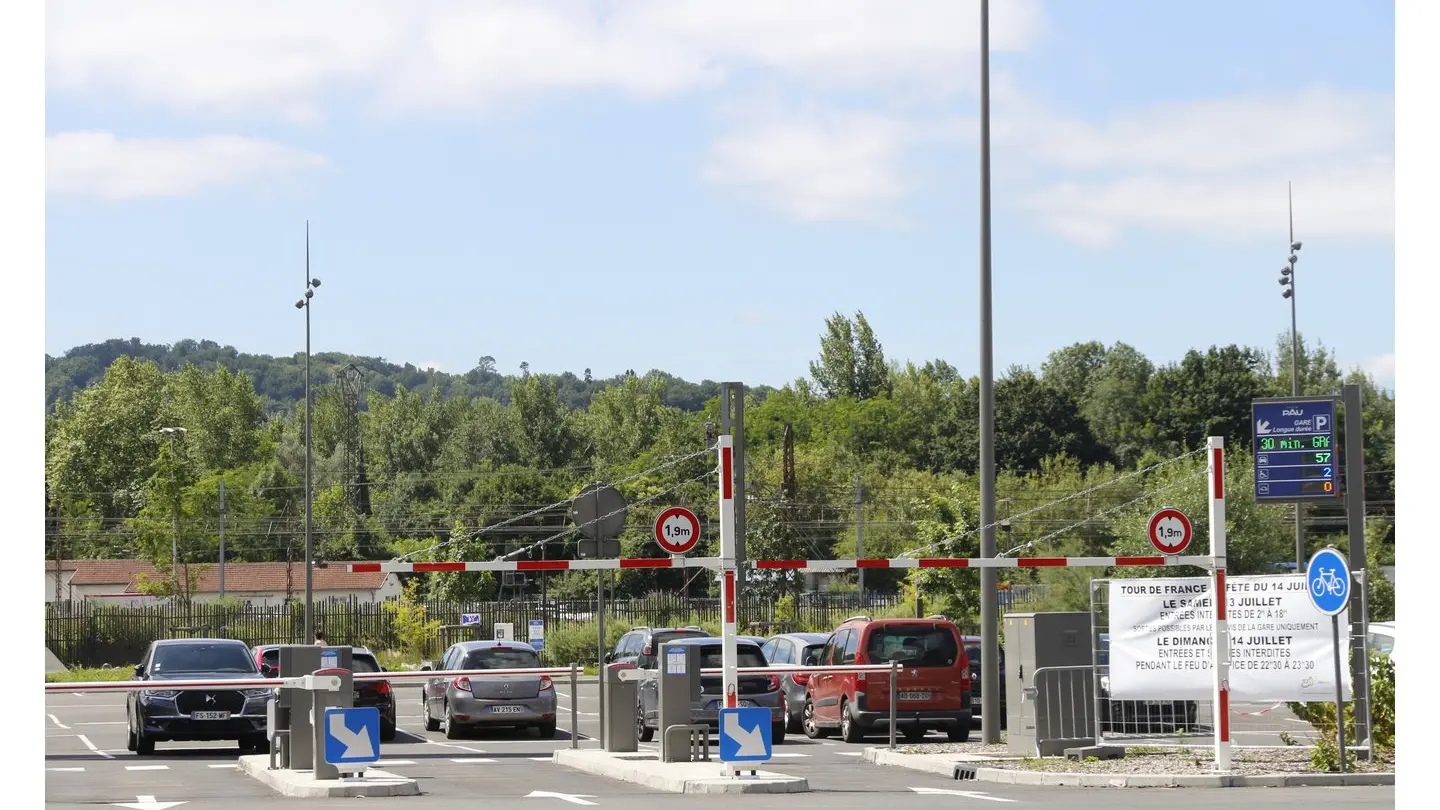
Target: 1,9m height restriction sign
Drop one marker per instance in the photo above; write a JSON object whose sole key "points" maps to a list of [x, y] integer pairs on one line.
{"points": [[677, 530], [1295, 449]]}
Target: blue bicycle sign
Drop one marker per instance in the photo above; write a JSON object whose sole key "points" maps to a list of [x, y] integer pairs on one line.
{"points": [[1328, 577]]}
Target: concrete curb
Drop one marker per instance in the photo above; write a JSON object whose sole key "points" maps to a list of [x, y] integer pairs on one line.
{"points": [[973, 770], [304, 785], [675, 777]]}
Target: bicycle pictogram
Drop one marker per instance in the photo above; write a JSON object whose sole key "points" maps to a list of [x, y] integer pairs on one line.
{"points": [[1327, 582]]}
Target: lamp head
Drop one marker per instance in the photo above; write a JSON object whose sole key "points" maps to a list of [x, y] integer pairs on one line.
{"points": [[314, 282], [1287, 293], [1294, 258], [1295, 245], [300, 304]]}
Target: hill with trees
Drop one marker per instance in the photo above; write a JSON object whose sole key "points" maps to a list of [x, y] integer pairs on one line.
{"points": [[472, 466]]}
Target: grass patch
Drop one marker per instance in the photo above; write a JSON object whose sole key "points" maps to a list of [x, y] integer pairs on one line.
{"points": [[91, 674]]}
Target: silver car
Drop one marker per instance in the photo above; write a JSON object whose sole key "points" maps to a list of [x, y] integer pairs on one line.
{"points": [[519, 701], [752, 690]]}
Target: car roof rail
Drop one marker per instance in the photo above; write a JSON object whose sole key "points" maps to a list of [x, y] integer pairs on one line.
{"points": [[860, 618], [940, 616], [692, 627], [638, 627]]}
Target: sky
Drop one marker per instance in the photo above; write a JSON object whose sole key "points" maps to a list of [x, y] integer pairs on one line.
{"points": [[695, 185]]}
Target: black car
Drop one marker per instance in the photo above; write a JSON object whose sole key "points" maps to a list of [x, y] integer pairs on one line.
{"points": [[791, 649], [640, 647], [165, 715], [972, 652], [379, 694], [1141, 716]]}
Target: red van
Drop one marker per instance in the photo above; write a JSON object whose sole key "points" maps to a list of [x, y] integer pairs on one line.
{"points": [[934, 687]]}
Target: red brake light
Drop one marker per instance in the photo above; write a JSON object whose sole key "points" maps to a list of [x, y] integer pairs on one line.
{"points": [[801, 680], [382, 687], [546, 683], [463, 684], [774, 683]]}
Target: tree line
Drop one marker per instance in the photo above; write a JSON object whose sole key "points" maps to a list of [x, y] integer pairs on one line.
{"points": [[424, 470]]}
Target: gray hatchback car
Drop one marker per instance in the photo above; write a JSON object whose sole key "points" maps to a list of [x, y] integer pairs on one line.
{"points": [[751, 690], [519, 701]]}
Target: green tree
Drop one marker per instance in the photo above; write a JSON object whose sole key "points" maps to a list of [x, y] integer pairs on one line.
{"points": [[852, 361], [1073, 369], [1115, 406]]}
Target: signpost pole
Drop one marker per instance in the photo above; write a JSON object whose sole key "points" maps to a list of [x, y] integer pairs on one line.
{"points": [[1215, 447], [1339, 692], [1355, 524]]}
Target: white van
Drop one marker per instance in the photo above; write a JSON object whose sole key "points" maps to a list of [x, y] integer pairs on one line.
{"points": [[1382, 639]]}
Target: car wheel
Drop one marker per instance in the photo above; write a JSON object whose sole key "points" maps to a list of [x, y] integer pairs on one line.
{"points": [[643, 733], [387, 732], [777, 733], [913, 734], [129, 736], [808, 724], [546, 730], [958, 734], [431, 724], [452, 729], [794, 723], [144, 746], [850, 731]]}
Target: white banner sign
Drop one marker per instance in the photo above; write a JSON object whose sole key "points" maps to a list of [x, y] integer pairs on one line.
{"points": [[1161, 640]]}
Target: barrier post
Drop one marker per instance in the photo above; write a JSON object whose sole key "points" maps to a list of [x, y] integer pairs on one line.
{"points": [[574, 699], [1215, 447], [894, 671], [727, 572]]}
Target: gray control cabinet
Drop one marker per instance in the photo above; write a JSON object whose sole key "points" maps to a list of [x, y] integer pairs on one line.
{"points": [[677, 689], [1056, 710], [620, 696]]}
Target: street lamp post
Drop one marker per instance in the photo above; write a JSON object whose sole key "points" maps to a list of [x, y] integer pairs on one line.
{"points": [[175, 574], [1287, 280], [304, 303]]}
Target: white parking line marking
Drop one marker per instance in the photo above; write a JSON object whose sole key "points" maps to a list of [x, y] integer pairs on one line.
{"points": [[102, 723], [541, 759], [777, 754], [850, 753], [477, 761], [92, 747], [147, 767], [461, 747], [391, 763], [224, 765], [67, 770], [57, 721]]}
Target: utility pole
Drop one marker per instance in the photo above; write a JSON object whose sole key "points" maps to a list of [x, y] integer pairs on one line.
{"points": [[222, 538], [305, 303], [989, 598], [859, 535], [175, 572]]}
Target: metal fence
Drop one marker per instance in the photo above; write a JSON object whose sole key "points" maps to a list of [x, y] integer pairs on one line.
{"points": [[82, 633]]}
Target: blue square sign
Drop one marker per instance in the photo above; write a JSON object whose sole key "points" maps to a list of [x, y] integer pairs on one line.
{"points": [[352, 736], [745, 735]]}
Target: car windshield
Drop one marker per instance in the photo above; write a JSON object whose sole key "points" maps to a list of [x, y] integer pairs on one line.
{"points": [[501, 658], [363, 663], [201, 658], [917, 646], [745, 656]]}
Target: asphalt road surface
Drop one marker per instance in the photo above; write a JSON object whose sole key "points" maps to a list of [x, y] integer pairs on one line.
{"points": [[87, 765]]}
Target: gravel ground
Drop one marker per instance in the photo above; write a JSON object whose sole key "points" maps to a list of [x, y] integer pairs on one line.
{"points": [[1149, 760]]}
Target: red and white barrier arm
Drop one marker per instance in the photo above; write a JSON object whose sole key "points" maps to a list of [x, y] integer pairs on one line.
{"points": [[299, 682], [457, 566], [820, 566]]}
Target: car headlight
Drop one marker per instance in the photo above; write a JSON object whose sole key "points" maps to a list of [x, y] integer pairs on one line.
{"points": [[164, 694], [257, 693]]}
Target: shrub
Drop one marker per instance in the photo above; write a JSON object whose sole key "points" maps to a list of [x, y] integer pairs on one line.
{"points": [[1321, 716], [413, 627]]}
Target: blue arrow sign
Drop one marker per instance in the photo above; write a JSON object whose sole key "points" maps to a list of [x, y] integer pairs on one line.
{"points": [[745, 735], [1327, 577], [352, 736]]}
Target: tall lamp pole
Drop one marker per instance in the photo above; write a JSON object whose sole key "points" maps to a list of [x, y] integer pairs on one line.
{"points": [[1287, 280], [170, 433], [304, 303], [989, 597]]}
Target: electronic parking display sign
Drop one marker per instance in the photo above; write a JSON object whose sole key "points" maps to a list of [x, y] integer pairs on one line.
{"points": [[1296, 457]]}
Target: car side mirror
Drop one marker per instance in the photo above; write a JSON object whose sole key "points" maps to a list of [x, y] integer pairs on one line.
{"points": [[812, 660], [139, 670], [609, 657], [425, 667]]}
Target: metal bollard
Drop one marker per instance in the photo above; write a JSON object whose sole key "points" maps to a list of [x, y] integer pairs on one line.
{"points": [[574, 709], [894, 679]]}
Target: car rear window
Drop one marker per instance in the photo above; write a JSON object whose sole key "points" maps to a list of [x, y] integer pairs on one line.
{"points": [[501, 658], [363, 663], [813, 649], [202, 658], [916, 646], [713, 657], [972, 651]]}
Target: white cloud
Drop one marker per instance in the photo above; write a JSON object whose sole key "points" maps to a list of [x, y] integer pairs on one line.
{"points": [[1213, 168], [430, 365], [99, 165], [1382, 368], [817, 166], [278, 58]]}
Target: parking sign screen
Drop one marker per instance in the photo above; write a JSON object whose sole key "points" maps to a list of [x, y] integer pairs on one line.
{"points": [[1295, 452]]}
